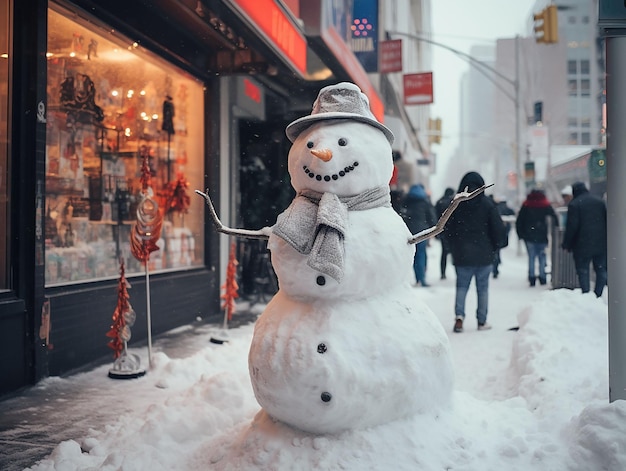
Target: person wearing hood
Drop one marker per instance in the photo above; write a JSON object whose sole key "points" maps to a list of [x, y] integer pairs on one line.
{"points": [[418, 214], [586, 237], [475, 232], [567, 194], [532, 227], [440, 206]]}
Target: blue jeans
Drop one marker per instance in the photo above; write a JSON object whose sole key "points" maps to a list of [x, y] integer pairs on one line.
{"points": [[419, 263], [536, 251], [464, 277], [599, 266]]}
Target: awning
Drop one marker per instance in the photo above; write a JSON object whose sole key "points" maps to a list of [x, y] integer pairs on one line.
{"points": [[278, 30]]}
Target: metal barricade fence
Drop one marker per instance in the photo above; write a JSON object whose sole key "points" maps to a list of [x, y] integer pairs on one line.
{"points": [[563, 270]]}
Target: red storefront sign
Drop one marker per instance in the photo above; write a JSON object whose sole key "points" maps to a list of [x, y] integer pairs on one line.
{"points": [[418, 88], [390, 59], [278, 29]]}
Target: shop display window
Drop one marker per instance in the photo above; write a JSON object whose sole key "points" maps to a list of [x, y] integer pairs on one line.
{"points": [[112, 104], [5, 232]]}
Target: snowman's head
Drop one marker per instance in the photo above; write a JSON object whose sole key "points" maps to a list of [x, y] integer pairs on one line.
{"points": [[340, 156], [340, 147]]}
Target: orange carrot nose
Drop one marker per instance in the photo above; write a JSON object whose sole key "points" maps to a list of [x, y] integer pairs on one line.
{"points": [[323, 154]]}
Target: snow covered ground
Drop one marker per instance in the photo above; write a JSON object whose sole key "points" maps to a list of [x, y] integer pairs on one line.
{"points": [[529, 399]]}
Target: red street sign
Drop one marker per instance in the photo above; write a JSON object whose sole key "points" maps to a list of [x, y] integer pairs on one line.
{"points": [[390, 59], [418, 89]]}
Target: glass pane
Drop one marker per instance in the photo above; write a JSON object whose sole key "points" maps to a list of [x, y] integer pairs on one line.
{"points": [[112, 105], [4, 142], [585, 87], [572, 67], [584, 66]]}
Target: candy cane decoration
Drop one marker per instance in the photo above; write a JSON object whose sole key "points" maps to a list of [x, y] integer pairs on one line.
{"points": [[145, 233]]}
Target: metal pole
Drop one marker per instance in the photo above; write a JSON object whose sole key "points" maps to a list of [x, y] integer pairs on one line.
{"points": [[148, 317], [518, 159], [616, 205]]}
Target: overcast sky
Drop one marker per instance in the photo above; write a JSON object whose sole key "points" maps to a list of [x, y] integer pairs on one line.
{"points": [[461, 24]]}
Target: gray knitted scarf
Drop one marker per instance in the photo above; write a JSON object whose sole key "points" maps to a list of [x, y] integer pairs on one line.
{"points": [[315, 225]]}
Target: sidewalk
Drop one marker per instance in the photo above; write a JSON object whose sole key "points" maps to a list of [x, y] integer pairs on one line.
{"points": [[34, 421]]}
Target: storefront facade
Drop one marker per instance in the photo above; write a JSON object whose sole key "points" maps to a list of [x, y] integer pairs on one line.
{"points": [[201, 91]]}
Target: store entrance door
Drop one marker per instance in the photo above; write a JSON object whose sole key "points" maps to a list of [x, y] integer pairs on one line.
{"points": [[265, 190]]}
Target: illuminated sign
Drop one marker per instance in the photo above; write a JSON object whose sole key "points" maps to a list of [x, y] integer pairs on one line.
{"points": [[251, 90], [249, 99], [278, 29], [355, 69], [364, 33]]}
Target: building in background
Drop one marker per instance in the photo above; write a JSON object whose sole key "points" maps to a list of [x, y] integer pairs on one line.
{"points": [[555, 115], [408, 21]]}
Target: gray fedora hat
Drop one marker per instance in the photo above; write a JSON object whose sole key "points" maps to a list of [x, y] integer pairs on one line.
{"points": [[341, 101]]}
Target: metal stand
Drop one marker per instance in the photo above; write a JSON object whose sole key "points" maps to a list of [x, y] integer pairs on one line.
{"points": [[127, 366], [148, 315]]}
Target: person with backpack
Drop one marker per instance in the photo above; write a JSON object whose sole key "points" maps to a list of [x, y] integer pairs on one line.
{"points": [[475, 232], [440, 206], [418, 214]]}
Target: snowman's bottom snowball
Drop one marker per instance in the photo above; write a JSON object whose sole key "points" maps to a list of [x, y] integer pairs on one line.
{"points": [[326, 367]]}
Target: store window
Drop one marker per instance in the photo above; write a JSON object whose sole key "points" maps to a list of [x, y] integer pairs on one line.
{"points": [[111, 107], [584, 67], [5, 41], [585, 87], [572, 67]]}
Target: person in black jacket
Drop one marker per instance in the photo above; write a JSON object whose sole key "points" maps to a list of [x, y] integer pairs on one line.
{"points": [[504, 210], [475, 231], [440, 206], [532, 228], [586, 237], [418, 214]]}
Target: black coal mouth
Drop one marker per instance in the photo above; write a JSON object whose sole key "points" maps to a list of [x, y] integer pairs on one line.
{"points": [[334, 176]]}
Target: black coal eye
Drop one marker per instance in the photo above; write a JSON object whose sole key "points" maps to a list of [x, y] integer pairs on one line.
{"points": [[310, 144], [342, 142]]}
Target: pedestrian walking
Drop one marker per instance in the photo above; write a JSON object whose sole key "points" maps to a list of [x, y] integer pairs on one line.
{"points": [[504, 211], [586, 237], [532, 227], [418, 214], [475, 231], [567, 194], [440, 206]]}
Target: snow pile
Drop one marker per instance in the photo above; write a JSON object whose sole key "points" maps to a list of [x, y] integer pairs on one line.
{"points": [[554, 413]]}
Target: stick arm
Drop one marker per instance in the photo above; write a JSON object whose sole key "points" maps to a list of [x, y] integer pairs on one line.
{"points": [[438, 228], [262, 234]]}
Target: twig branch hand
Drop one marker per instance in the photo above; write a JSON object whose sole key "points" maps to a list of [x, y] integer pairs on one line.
{"points": [[263, 234], [438, 228]]}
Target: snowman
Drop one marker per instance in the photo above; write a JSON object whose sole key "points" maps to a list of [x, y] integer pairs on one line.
{"points": [[346, 342]]}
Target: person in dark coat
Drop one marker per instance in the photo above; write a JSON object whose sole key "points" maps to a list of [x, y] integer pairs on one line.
{"points": [[475, 231], [504, 210], [418, 214], [440, 206], [586, 237], [532, 227]]}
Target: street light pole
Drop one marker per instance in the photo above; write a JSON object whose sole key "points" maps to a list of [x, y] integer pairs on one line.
{"points": [[518, 160], [481, 67]]}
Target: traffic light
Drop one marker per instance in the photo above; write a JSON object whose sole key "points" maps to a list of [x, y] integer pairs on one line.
{"points": [[547, 25], [434, 131]]}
